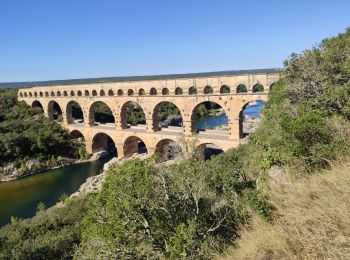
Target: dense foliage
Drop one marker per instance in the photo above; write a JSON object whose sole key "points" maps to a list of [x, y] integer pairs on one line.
{"points": [[26, 134], [185, 211], [51, 234], [306, 123]]}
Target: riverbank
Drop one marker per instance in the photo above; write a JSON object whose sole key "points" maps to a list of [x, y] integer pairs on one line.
{"points": [[11, 173]]}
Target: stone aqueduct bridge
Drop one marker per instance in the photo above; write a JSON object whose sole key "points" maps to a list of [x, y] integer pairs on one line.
{"points": [[186, 91]]}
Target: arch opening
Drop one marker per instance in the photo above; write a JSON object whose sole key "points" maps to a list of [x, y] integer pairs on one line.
{"points": [[241, 88], [120, 92], [103, 143], [166, 115], [178, 91], [37, 105], [208, 90], [102, 93], [225, 89], [205, 151], [77, 140], [130, 92], [168, 149], [79, 93], [142, 92], [132, 115], [55, 111], [132, 145], [72, 94], [110, 93], [192, 91], [46, 94], [272, 85], [100, 114], [153, 92], [165, 91], [65, 93], [86, 93], [249, 117], [94, 93], [74, 113], [258, 88], [209, 116]]}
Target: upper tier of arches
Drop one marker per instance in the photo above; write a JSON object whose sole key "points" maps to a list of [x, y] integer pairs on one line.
{"points": [[223, 89]]}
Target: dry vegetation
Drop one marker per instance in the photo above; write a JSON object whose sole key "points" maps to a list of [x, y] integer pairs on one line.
{"points": [[312, 221]]}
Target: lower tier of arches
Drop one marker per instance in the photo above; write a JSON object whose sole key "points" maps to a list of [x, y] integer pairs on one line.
{"points": [[125, 144]]}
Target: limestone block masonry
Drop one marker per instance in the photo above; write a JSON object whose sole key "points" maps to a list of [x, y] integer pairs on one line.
{"points": [[232, 90]]}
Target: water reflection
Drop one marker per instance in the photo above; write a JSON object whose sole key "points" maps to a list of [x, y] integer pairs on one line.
{"points": [[20, 198]]}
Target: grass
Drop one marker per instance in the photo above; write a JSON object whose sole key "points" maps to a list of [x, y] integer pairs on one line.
{"points": [[312, 221]]}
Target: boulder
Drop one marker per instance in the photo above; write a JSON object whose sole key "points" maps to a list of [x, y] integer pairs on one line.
{"points": [[99, 155]]}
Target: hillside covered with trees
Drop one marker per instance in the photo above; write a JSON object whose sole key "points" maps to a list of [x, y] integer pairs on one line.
{"points": [[26, 135], [199, 210]]}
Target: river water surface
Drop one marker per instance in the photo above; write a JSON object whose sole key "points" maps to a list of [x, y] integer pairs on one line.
{"points": [[20, 197]]}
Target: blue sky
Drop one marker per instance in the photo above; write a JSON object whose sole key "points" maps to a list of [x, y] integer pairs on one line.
{"points": [[63, 39]]}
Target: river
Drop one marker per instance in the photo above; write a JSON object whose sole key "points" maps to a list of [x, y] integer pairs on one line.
{"points": [[20, 197]]}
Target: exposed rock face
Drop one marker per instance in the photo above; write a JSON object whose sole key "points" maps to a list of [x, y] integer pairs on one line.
{"points": [[94, 183], [99, 155], [11, 172], [278, 175]]}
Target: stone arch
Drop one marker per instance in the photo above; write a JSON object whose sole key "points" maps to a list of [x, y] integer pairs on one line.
{"points": [[79, 93], [168, 149], [120, 92], [248, 119], [178, 91], [130, 92], [131, 114], [166, 114], [209, 115], [25, 94], [208, 90], [225, 89], [86, 93], [100, 112], [103, 142], [20, 94], [46, 94], [30, 94], [94, 93], [77, 139], [72, 94], [74, 113], [110, 92], [54, 111], [241, 88], [165, 91], [142, 92], [58, 93], [204, 151], [76, 134], [52, 94], [35, 94], [41, 94], [258, 88], [102, 93], [192, 91], [272, 85], [153, 92], [37, 104], [132, 145]]}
